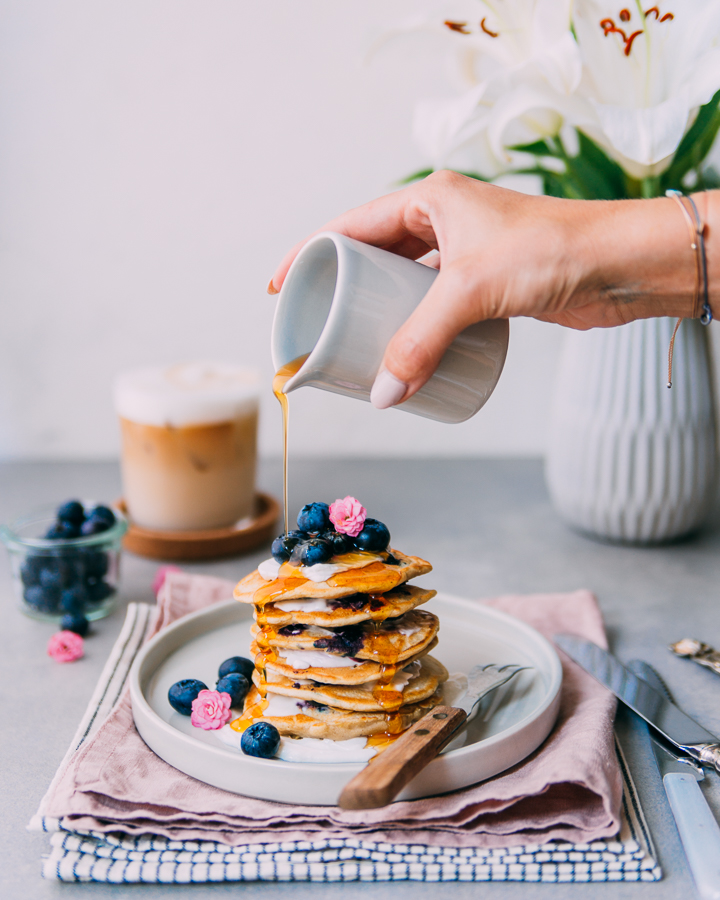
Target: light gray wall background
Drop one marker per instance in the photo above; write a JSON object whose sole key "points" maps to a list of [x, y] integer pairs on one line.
{"points": [[157, 158]]}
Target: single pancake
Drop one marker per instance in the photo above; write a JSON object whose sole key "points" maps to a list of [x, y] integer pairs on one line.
{"points": [[377, 577], [416, 682], [391, 641], [324, 722], [323, 667], [348, 610]]}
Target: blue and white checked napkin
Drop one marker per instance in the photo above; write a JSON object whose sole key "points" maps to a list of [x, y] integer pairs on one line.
{"points": [[118, 858]]}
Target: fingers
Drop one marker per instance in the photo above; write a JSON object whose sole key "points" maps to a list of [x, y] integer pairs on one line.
{"points": [[417, 348], [392, 222]]}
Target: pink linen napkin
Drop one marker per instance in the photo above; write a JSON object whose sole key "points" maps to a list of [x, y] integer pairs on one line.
{"points": [[569, 789]]}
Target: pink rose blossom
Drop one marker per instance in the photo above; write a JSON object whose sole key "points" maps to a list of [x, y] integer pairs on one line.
{"points": [[210, 710], [348, 516], [65, 646], [161, 575]]}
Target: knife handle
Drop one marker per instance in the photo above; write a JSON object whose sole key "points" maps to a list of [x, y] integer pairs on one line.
{"points": [[699, 832], [386, 775]]}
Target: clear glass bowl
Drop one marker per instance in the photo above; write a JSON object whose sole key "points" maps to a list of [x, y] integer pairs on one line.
{"points": [[42, 568]]}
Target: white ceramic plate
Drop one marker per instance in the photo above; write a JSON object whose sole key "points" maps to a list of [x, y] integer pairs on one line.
{"points": [[513, 723]]}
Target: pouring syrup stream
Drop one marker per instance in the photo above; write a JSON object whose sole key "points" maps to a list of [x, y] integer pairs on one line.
{"points": [[282, 376]]}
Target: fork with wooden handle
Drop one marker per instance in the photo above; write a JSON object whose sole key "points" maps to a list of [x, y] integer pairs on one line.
{"points": [[386, 775]]}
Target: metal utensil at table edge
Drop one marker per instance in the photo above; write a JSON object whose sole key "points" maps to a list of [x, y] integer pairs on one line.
{"points": [[387, 774], [696, 825], [673, 724], [699, 652]]}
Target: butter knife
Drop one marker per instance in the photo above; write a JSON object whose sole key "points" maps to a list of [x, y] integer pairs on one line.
{"points": [[699, 832], [683, 732]]}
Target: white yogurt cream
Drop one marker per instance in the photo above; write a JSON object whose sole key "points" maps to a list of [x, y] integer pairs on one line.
{"points": [[401, 680], [270, 568], [306, 659], [405, 676], [280, 705], [454, 688], [323, 751], [316, 605], [408, 629], [309, 750]]}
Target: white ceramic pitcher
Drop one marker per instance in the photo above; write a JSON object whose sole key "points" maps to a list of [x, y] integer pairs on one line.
{"points": [[341, 303]]}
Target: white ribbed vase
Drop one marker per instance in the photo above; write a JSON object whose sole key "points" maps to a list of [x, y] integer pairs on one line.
{"points": [[628, 459]]}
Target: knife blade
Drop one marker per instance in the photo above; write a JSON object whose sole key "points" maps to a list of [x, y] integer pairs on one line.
{"points": [[699, 831], [675, 726]]}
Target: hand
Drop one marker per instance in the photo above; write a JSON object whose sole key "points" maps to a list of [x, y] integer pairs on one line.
{"points": [[579, 263]]}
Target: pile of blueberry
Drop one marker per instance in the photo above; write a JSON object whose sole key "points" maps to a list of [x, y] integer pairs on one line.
{"points": [[234, 676], [73, 521], [317, 541], [70, 580]]}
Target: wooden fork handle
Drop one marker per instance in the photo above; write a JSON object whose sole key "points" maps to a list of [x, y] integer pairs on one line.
{"points": [[385, 776]]}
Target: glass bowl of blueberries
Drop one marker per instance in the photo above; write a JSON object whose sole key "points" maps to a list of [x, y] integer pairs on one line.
{"points": [[65, 560]]}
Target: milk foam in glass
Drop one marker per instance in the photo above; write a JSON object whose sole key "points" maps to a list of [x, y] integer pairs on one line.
{"points": [[189, 439]]}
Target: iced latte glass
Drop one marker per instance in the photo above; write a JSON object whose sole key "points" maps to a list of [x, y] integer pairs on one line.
{"points": [[189, 439]]}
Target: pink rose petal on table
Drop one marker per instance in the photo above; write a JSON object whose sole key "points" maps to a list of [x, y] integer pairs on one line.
{"points": [[348, 516], [66, 646], [161, 575], [210, 710]]}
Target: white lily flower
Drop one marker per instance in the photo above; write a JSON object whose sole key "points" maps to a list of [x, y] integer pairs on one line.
{"points": [[517, 56], [646, 70]]}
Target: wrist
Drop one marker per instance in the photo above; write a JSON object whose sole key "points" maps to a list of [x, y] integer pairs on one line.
{"points": [[640, 262]]}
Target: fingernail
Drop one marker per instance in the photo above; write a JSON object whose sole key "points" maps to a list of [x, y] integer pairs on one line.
{"points": [[387, 390], [271, 289]]}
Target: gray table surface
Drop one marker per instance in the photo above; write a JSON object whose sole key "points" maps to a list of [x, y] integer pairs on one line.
{"points": [[488, 528]]}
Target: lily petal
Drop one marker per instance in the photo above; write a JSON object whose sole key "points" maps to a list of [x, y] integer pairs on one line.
{"points": [[439, 126]]}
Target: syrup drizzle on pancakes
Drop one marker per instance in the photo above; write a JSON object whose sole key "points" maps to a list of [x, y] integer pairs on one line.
{"points": [[371, 580]]}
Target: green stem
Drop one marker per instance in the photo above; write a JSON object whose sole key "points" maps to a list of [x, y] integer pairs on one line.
{"points": [[651, 187]]}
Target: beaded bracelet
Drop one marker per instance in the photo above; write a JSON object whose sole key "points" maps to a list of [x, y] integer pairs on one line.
{"points": [[701, 305]]}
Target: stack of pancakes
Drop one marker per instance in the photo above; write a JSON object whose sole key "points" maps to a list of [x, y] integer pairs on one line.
{"points": [[346, 657]]}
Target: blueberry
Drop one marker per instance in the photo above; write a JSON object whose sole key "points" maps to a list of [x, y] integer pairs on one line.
{"points": [[314, 517], [315, 551], [238, 664], [74, 599], [99, 519], [182, 694], [374, 536], [41, 599], [62, 531], [93, 525], [54, 574], [284, 544], [341, 543], [347, 641], [97, 590], [102, 512], [290, 630], [72, 512], [75, 622], [236, 685], [260, 739], [50, 578], [92, 563], [30, 570]]}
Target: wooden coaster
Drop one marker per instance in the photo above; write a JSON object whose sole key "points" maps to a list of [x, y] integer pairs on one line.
{"points": [[211, 544]]}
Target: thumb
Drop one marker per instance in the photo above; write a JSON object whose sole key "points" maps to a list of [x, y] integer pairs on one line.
{"points": [[418, 346]]}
